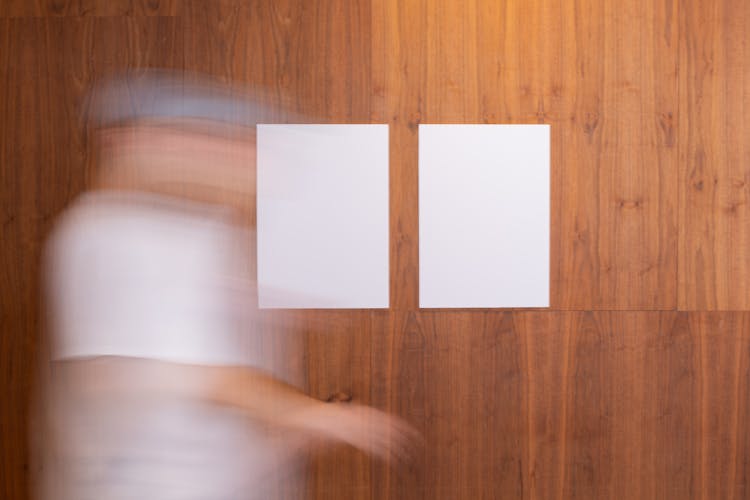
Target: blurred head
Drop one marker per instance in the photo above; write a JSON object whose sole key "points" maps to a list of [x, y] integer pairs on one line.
{"points": [[176, 134], [178, 158]]}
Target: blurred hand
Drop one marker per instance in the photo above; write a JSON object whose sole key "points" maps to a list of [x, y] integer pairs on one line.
{"points": [[368, 429]]}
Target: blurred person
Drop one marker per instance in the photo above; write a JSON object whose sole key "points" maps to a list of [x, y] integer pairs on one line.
{"points": [[152, 394]]}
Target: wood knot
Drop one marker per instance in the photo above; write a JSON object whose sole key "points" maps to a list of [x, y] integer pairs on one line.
{"points": [[413, 121], [590, 123], [630, 204], [733, 206], [666, 122], [339, 397]]}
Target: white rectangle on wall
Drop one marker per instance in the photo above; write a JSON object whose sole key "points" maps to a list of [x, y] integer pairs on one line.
{"points": [[322, 216], [484, 208]]}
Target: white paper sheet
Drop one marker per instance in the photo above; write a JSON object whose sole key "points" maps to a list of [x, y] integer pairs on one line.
{"points": [[323, 216], [484, 207]]}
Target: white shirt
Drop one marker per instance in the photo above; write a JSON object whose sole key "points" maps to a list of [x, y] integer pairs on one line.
{"points": [[141, 275], [145, 276]]}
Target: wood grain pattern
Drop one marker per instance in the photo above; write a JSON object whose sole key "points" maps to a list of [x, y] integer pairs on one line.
{"points": [[26, 215], [339, 368], [398, 49], [88, 8], [714, 167], [568, 405], [608, 89], [618, 167], [649, 214], [307, 63], [44, 163]]}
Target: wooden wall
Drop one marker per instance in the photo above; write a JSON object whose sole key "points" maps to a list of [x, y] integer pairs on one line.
{"points": [[633, 384]]}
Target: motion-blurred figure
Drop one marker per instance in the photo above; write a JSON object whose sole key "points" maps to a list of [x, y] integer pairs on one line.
{"points": [[154, 394]]}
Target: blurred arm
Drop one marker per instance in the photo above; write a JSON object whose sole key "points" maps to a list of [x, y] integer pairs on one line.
{"points": [[255, 393]]}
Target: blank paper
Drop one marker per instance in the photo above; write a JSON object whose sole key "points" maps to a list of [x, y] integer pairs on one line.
{"points": [[322, 216], [484, 206]]}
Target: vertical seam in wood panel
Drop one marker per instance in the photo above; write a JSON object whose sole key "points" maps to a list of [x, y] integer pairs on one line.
{"points": [[677, 135], [529, 392], [738, 341], [680, 146], [564, 401], [702, 402], [742, 362], [722, 289], [371, 317]]}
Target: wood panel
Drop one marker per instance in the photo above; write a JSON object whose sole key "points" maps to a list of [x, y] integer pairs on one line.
{"points": [[617, 181], [721, 468], [464, 393], [398, 87], [306, 63], [28, 208], [569, 405], [19, 271], [48, 65], [88, 8], [560, 404], [603, 74], [339, 368], [715, 159], [311, 61]]}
